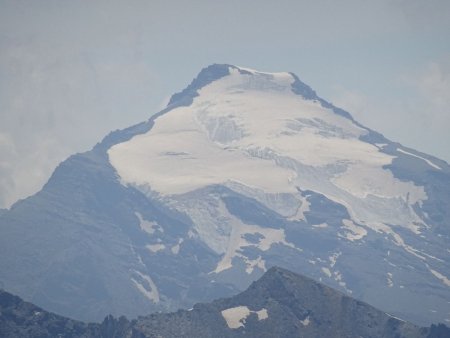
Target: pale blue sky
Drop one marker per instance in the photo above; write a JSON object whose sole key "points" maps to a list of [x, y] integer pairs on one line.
{"points": [[71, 71]]}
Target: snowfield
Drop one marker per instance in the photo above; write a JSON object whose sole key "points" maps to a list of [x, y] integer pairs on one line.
{"points": [[251, 133]]}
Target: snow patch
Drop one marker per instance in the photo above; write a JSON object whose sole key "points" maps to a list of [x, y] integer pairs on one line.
{"points": [[252, 263], [326, 271], [306, 321], [398, 240], [338, 278], [428, 161], [394, 317], [354, 232], [146, 286], [155, 247], [237, 242], [390, 283], [226, 234], [236, 316], [176, 248], [148, 227], [333, 258], [439, 276], [262, 314]]}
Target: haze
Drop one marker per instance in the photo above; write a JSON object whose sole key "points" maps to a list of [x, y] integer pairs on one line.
{"points": [[71, 71]]}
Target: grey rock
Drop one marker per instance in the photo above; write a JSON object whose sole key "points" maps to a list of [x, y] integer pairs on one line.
{"points": [[280, 304]]}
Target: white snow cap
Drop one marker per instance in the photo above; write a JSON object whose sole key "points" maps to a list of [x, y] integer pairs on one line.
{"points": [[249, 129]]}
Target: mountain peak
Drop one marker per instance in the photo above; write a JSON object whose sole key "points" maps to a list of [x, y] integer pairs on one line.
{"points": [[242, 171], [213, 73]]}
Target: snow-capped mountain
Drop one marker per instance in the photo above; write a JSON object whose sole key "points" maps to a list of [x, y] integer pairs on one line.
{"points": [[242, 171]]}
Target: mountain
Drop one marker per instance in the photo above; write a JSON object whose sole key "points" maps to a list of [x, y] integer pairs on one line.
{"points": [[279, 304], [22, 319], [242, 171]]}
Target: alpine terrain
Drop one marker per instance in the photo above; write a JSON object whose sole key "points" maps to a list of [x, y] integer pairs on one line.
{"points": [[279, 304], [242, 171]]}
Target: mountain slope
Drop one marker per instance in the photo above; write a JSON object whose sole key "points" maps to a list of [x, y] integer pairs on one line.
{"points": [[242, 171], [22, 319], [280, 304]]}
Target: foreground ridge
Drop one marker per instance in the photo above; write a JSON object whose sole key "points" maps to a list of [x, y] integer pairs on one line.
{"points": [[279, 304]]}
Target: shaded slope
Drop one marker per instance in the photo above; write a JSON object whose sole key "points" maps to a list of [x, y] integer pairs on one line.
{"points": [[280, 304]]}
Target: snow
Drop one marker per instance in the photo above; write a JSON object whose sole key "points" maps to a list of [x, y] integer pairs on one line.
{"points": [[306, 321], [148, 227], [236, 316], [338, 278], [354, 232], [398, 240], [237, 241], [146, 286], [155, 247], [321, 225], [417, 156], [176, 248], [252, 134], [288, 205], [225, 233], [326, 271], [390, 283], [262, 314], [333, 258], [394, 317], [439, 276]]}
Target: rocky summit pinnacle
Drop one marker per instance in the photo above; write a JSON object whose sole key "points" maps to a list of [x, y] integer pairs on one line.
{"points": [[242, 171]]}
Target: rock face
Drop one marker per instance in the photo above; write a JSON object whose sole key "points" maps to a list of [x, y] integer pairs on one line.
{"points": [[242, 171], [280, 304], [21, 319]]}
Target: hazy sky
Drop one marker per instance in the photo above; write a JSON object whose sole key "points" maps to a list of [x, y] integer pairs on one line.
{"points": [[71, 71]]}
